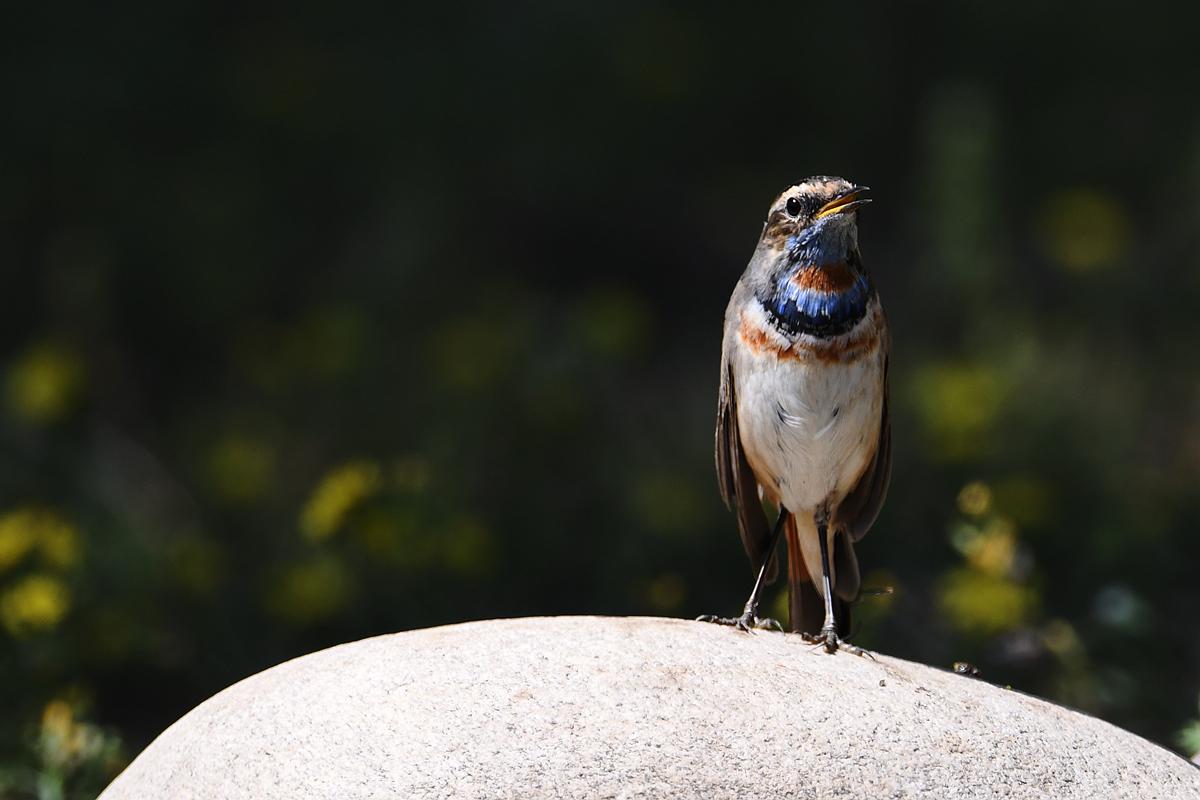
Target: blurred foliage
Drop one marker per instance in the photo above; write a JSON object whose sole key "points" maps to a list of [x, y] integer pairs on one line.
{"points": [[322, 325], [68, 759], [42, 383]]}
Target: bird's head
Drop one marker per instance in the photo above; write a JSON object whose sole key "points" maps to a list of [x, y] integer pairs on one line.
{"points": [[814, 224]]}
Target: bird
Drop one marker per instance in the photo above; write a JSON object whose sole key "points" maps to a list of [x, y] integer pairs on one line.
{"points": [[802, 410]]}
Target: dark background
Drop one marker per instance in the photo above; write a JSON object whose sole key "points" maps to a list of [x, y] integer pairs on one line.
{"points": [[322, 322]]}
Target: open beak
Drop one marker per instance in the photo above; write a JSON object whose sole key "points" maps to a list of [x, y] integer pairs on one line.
{"points": [[844, 202]]}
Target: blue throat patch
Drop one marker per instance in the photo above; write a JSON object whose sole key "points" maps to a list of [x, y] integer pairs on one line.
{"points": [[822, 314]]}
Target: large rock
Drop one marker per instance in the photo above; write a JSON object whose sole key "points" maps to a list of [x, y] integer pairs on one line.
{"points": [[606, 707]]}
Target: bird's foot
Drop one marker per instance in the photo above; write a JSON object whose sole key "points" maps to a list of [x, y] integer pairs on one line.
{"points": [[829, 639], [748, 621]]}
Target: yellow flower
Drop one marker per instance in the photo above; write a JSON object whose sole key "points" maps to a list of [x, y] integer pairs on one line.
{"points": [[976, 602], [338, 493], [36, 602], [57, 719], [975, 499], [16, 538], [994, 549], [44, 383], [67, 742], [24, 529]]}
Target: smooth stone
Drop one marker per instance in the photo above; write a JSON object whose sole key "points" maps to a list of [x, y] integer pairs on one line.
{"points": [[595, 707]]}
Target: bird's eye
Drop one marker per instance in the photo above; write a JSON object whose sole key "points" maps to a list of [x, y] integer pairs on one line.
{"points": [[793, 206]]}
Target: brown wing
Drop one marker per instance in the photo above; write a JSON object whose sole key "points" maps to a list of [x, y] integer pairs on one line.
{"points": [[739, 489], [860, 507]]}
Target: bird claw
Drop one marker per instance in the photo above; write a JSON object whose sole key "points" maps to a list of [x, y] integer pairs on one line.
{"points": [[748, 622], [829, 639]]}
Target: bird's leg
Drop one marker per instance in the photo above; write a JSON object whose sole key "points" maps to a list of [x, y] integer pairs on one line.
{"points": [[829, 635], [749, 618]]}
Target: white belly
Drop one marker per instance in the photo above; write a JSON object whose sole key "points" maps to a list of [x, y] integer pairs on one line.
{"points": [[809, 428]]}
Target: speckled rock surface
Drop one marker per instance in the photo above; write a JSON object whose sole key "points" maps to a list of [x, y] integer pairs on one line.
{"points": [[587, 707]]}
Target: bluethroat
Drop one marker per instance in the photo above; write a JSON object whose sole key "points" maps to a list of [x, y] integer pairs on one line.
{"points": [[802, 414]]}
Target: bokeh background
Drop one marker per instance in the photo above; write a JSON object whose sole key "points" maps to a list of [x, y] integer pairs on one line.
{"points": [[323, 322]]}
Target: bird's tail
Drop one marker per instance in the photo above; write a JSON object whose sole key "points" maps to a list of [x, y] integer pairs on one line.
{"points": [[806, 608]]}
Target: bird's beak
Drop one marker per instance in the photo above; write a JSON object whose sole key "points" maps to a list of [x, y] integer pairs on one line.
{"points": [[844, 202]]}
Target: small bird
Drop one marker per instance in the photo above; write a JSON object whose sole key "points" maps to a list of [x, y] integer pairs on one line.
{"points": [[802, 413]]}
